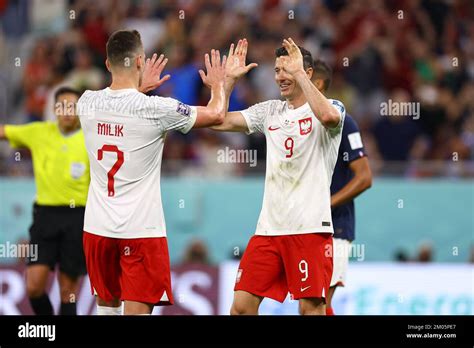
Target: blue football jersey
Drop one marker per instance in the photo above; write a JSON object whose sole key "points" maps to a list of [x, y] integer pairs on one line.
{"points": [[351, 148]]}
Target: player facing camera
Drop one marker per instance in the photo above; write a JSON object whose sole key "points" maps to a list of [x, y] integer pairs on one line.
{"points": [[285, 81], [65, 109]]}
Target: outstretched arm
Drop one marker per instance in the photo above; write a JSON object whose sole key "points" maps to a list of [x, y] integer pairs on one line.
{"points": [[320, 105], [233, 122], [176, 115], [214, 113], [20, 136], [235, 69]]}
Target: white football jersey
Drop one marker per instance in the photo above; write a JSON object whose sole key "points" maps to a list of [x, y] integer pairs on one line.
{"points": [[124, 132], [301, 155]]}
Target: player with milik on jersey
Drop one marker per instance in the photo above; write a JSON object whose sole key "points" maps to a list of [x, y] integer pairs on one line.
{"points": [[291, 250], [124, 229]]}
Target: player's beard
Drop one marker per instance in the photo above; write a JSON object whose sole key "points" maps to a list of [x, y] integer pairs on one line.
{"points": [[288, 94], [294, 92]]}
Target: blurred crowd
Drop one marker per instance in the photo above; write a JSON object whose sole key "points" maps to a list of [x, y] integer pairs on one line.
{"points": [[398, 50]]}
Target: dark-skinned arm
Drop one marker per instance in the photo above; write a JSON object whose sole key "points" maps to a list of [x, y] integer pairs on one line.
{"points": [[361, 181]]}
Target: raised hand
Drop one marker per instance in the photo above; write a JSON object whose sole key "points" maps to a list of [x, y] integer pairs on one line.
{"points": [[292, 63], [151, 77], [215, 69], [236, 67]]}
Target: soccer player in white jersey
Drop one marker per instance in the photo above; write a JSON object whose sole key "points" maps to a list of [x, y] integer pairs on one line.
{"points": [[124, 229], [291, 250]]}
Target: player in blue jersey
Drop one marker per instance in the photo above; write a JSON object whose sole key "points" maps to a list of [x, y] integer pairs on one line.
{"points": [[351, 177]]}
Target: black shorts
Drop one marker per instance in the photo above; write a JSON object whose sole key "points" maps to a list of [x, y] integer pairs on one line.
{"points": [[57, 232]]}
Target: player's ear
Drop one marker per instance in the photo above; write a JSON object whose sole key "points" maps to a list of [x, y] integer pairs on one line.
{"points": [[140, 62], [107, 64], [319, 83], [309, 72]]}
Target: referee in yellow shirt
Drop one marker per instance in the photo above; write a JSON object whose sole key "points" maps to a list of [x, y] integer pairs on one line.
{"points": [[61, 169]]}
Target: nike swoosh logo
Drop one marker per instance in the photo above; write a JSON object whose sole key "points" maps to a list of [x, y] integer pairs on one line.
{"points": [[306, 288], [271, 128]]}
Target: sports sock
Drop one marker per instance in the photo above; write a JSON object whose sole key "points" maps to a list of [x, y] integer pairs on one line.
{"points": [[41, 305], [67, 308], [102, 310], [329, 311]]}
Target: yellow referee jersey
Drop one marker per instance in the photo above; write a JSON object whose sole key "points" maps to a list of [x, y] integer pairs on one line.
{"points": [[60, 162]]}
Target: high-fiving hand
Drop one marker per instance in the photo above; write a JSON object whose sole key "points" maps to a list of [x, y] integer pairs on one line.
{"points": [[236, 67], [215, 69], [151, 74], [292, 63]]}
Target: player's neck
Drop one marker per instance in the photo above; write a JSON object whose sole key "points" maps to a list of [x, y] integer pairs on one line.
{"points": [[124, 82], [296, 102]]}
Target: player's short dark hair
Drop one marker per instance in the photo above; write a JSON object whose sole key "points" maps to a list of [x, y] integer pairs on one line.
{"points": [[123, 44], [322, 71], [66, 90], [307, 57]]}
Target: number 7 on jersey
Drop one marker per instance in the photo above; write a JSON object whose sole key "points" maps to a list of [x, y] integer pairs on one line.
{"points": [[115, 168]]}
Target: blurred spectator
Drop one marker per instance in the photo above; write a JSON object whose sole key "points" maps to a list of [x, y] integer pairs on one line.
{"points": [[185, 82], [196, 253], [36, 79], [396, 134], [48, 16], [84, 75], [401, 256], [425, 252], [143, 18], [94, 30]]}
